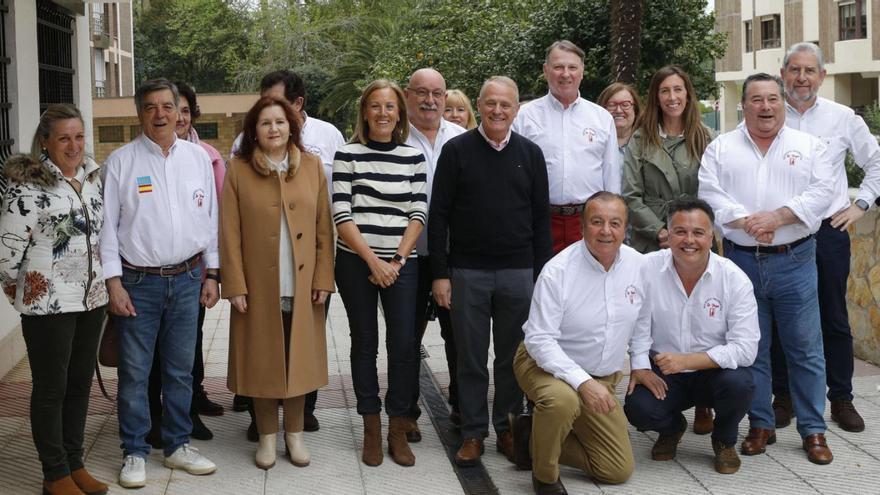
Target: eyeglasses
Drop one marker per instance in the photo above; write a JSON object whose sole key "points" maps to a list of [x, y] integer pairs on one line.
{"points": [[623, 105], [423, 93]]}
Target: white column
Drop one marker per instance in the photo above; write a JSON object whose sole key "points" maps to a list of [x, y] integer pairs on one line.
{"points": [[82, 84], [24, 75]]}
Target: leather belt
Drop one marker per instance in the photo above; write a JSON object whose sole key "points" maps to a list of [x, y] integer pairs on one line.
{"points": [[167, 270], [567, 210], [780, 249]]}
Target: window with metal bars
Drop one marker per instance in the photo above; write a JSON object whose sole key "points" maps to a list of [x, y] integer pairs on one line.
{"points": [[54, 54], [6, 140]]}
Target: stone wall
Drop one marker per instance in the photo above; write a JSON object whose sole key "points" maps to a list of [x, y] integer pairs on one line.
{"points": [[863, 287]]}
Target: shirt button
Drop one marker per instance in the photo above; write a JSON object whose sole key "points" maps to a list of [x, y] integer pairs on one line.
{"points": [[291, 206], [301, 267], [299, 236]]}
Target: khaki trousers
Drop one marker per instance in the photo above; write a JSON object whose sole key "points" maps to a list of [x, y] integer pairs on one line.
{"points": [[266, 414], [565, 432]]}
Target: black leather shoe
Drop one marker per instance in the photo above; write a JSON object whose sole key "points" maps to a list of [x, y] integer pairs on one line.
{"points": [[205, 406], [240, 403], [200, 431], [310, 422], [542, 488], [252, 434]]}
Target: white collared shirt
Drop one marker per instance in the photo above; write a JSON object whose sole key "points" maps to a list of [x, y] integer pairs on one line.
{"points": [[417, 140], [841, 129], [158, 210], [736, 180], [496, 145], [582, 317], [720, 317], [579, 145]]}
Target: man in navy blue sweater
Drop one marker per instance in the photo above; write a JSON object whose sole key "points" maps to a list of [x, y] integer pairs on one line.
{"points": [[490, 206]]}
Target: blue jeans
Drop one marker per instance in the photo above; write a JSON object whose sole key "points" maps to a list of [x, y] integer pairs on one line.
{"points": [[167, 315], [360, 298], [786, 291]]}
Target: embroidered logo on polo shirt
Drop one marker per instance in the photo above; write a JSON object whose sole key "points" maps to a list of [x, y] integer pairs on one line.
{"points": [[712, 307], [792, 157], [590, 134], [630, 293], [199, 197], [312, 149], [144, 184]]}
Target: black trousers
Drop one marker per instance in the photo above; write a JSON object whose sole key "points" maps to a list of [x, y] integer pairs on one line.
{"points": [[62, 350], [425, 309], [832, 263]]}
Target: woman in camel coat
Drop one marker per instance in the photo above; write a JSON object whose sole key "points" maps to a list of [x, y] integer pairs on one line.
{"points": [[276, 274]]}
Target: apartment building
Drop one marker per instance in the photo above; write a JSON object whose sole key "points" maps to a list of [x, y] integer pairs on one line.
{"points": [[759, 31]]}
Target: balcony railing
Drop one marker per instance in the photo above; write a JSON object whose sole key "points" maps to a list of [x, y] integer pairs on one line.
{"points": [[100, 89]]}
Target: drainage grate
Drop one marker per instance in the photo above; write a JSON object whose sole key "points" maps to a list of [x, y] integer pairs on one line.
{"points": [[474, 480]]}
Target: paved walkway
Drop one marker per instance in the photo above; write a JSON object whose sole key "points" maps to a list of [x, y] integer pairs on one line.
{"points": [[336, 467]]}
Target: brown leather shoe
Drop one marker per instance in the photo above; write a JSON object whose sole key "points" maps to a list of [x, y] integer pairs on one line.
{"points": [[757, 440], [88, 484], [783, 410], [505, 445], [726, 460], [666, 446], [413, 434], [372, 454], [521, 428], [469, 453], [542, 488], [817, 449], [703, 421], [61, 486], [845, 415]]}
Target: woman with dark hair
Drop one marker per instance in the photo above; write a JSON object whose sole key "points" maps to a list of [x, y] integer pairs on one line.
{"points": [[277, 256], [50, 270], [661, 163], [663, 156], [380, 208]]}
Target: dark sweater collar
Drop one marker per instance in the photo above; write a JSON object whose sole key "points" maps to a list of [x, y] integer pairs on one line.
{"points": [[375, 145]]}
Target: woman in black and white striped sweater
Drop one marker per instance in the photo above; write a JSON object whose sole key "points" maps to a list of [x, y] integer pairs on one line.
{"points": [[380, 208]]}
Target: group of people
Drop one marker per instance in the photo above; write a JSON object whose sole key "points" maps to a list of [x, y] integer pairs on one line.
{"points": [[570, 232]]}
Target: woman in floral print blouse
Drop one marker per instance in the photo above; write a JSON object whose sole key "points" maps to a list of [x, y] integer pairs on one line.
{"points": [[50, 219]]}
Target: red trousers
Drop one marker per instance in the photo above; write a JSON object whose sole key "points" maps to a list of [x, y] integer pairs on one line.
{"points": [[566, 230]]}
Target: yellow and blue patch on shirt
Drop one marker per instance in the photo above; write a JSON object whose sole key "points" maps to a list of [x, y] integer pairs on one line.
{"points": [[144, 184]]}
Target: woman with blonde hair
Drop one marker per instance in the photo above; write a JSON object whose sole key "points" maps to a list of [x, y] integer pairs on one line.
{"points": [[277, 257], [459, 110], [50, 270], [380, 208]]}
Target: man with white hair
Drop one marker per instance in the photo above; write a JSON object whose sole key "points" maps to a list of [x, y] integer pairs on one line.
{"points": [[803, 70]]}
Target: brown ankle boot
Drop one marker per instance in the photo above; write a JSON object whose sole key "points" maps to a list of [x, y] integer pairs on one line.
{"points": [[372, 455], [61, 486], [398, 447], [88, 484]]}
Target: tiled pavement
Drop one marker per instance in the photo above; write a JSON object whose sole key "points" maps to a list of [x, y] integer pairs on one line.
{"points": [[336, 469]]}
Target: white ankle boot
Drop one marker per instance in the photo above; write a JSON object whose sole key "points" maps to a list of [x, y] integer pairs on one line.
{"points": [[296, 448], [265, 457]]}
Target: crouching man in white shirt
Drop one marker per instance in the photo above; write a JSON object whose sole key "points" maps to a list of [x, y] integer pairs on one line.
{"points": [[585, 306], [703, 337]]}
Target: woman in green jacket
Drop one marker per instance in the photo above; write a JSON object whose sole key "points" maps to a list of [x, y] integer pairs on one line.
{"points": [[662, 158]]}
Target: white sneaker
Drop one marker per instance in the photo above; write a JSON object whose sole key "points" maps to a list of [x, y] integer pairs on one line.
{"points": [[133, 473], [190, 460]]}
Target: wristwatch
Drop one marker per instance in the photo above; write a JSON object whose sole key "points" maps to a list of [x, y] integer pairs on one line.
{"points": [[862, 204], [213, 276], [399, 258]]}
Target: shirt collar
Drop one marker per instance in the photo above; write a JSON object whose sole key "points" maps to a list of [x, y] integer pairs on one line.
{"points": [[497, 146], [742, 127], [669, 266], [794, 111], [594, 263], [154, 147], [558, 104]]}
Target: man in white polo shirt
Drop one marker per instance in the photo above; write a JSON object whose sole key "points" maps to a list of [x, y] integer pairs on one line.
{"points": [[160, 222], [770, 187], [578, 139], [428, 132], [803, 70], [585, 307], [703, 336]]}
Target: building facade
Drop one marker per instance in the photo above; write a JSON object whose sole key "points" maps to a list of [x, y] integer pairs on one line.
{"points": [[112, 48], [759, 31]]}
